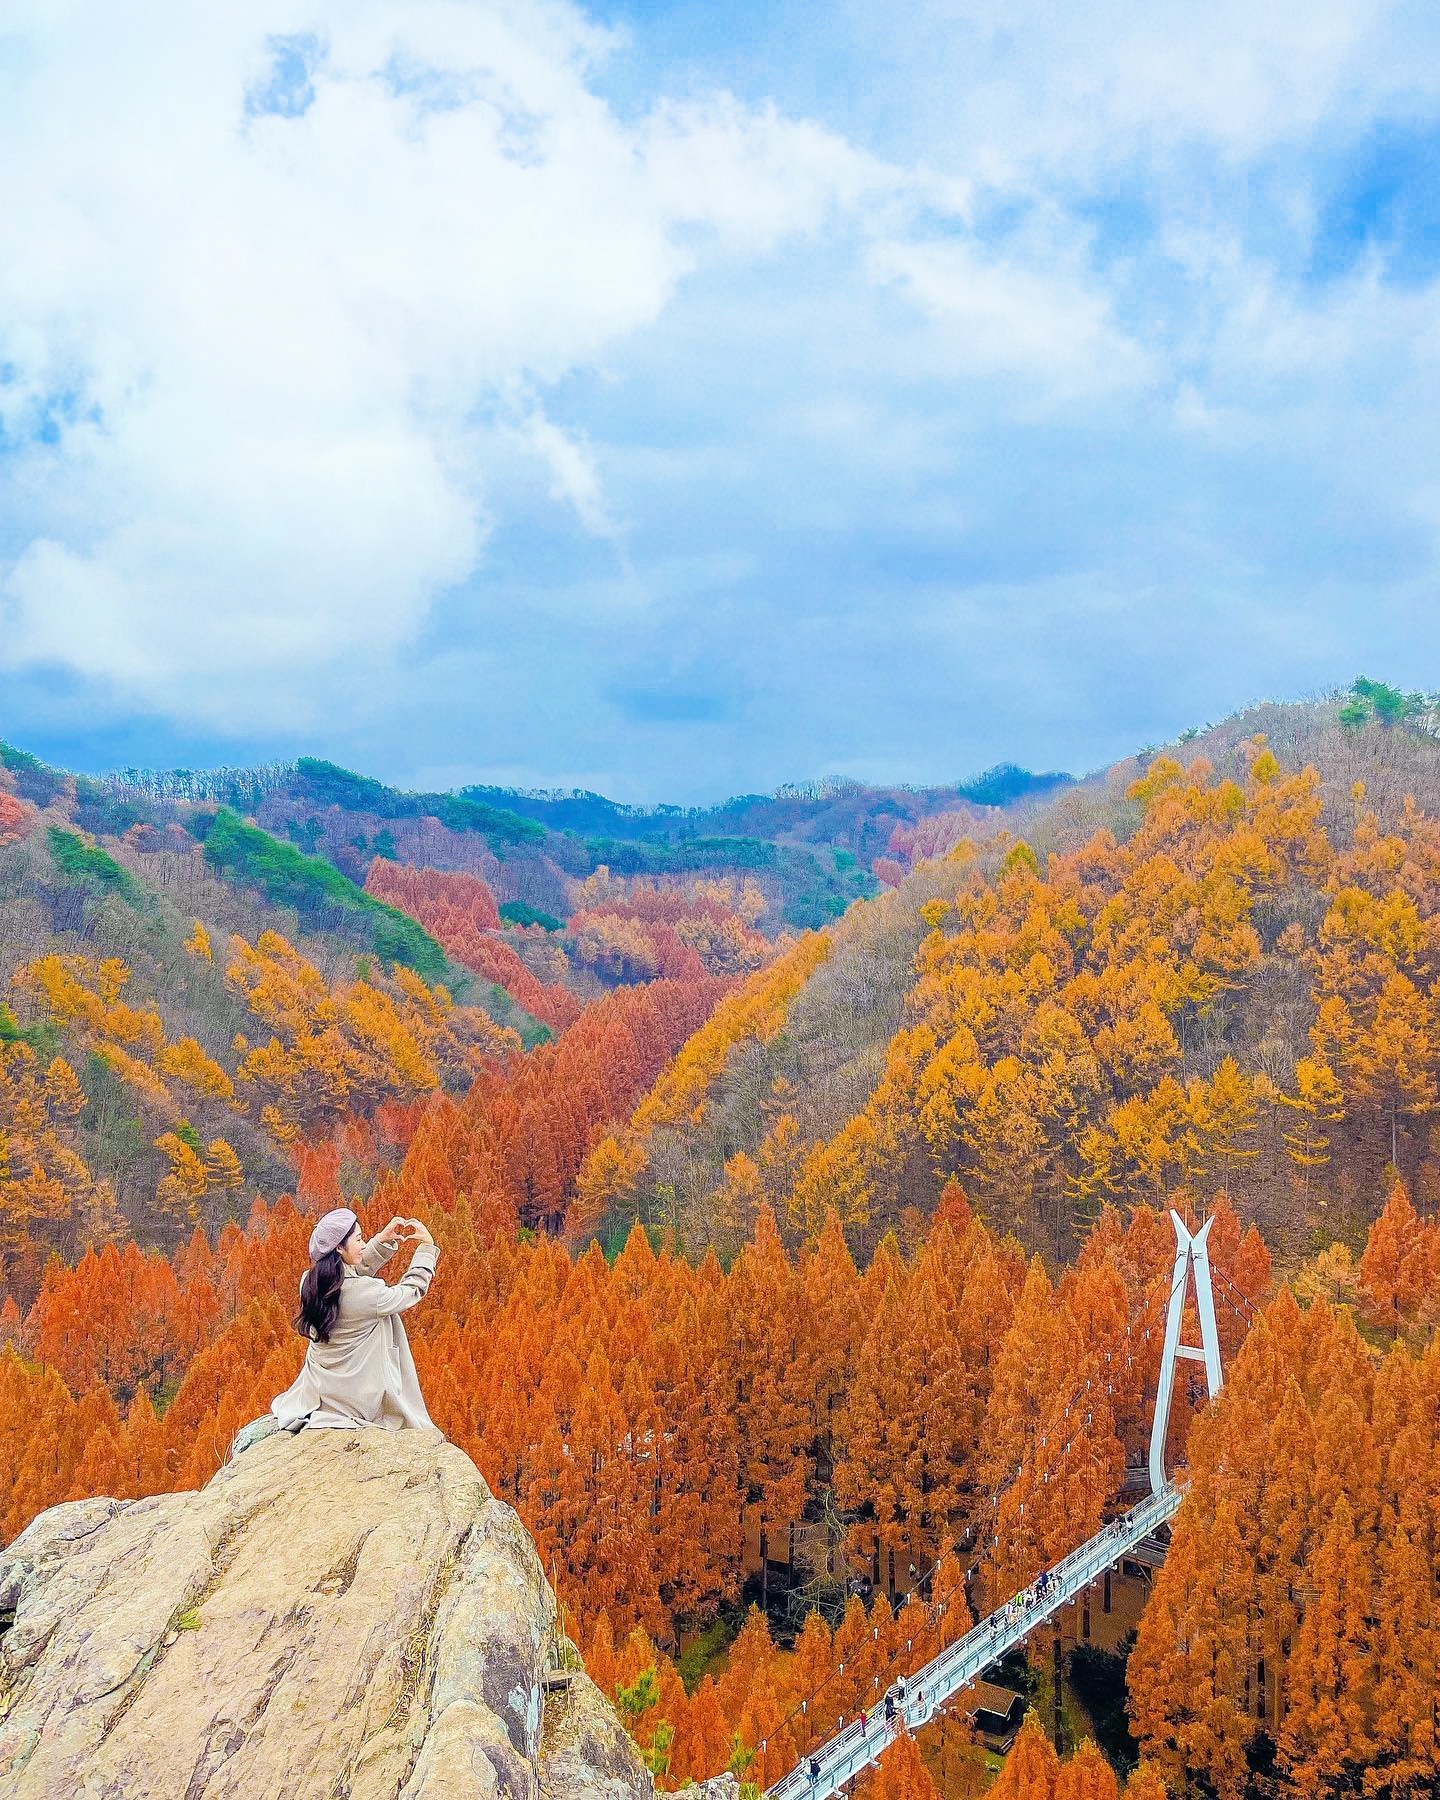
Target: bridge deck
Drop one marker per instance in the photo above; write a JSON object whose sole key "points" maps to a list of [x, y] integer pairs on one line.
{"points": [[844, 1755]]}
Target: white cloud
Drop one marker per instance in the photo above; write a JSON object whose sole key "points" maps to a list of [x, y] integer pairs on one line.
{"points": [[288, 288], [573, 474], [1028, 84], [756, 177], [256, 358], [1005, 319]]}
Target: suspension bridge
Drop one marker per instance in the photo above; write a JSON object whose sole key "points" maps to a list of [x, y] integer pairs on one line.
{"points": [[917, 1697]]}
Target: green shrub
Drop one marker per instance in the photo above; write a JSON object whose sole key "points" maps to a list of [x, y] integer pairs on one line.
{"points": [[334, 786], [398, 939], [44, 1038], [1379, 701], [490, 821], [638, 1697], [86, 865], [20, 762], [328, 783], [520, 912], [101, 811], [1007, 782], [1098, 1677], [810, 912], [318, 891], [625, 857], [304, 835], [36, 781], [696, 1658]]}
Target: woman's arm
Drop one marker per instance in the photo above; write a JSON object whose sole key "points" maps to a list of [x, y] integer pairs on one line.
{"points": [[382, 1246], [367, 1297]]}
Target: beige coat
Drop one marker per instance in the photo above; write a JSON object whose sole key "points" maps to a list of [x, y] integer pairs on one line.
{"points": [[365, 1374]]}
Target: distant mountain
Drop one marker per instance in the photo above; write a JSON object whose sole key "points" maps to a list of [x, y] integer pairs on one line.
{"points": [[809, 847], [848, 813], [203, 972], [1215, 966]]}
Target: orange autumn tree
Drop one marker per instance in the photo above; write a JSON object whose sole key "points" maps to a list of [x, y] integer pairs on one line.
{"points": [[914, 1410], [16, 818], [349, 1050], [1046, 1005], [1047, 1057], [50, 1201], [653, 932], [1400, 1269], [521, 1135], [901, 1774], [630, 1409], [1031, 1767], [670, 1392], [459, 912], [1295, 1571], [1086, 1776]]}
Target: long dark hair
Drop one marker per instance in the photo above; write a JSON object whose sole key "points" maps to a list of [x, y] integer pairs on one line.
{"points": [[320, 1293]]}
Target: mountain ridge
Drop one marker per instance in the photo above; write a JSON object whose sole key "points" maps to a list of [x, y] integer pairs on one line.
{"points": [[971, 1025]]}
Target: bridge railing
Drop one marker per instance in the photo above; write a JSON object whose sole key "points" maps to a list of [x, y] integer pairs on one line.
{"points": [[845, 1754]]}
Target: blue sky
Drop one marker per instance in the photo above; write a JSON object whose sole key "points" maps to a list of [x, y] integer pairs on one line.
{"points": [[681, 400]]}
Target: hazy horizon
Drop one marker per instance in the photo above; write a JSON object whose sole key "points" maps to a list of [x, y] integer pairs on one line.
{"points": [[710, 799]]}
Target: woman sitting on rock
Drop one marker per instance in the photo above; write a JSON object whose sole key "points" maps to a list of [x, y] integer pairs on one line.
{"points": [[358, 1369]]}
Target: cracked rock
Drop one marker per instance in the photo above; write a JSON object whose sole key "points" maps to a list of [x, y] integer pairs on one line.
{"points": [[337, 1613]]}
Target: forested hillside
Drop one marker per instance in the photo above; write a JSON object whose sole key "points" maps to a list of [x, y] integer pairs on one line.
{"points": [[1211, 970], [861, 819], [199, 971], [190, 1004], [849, 1239], [635, 1413], [786, 850]]}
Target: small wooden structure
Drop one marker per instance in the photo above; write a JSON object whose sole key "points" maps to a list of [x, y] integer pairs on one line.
{"points": [[995, 1712]]}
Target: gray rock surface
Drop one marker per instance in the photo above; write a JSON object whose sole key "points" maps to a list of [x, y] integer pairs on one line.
{"points": [[335, 1616]]}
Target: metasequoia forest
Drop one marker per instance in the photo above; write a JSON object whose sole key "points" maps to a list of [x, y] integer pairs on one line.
{"points": [[802, 1181]]}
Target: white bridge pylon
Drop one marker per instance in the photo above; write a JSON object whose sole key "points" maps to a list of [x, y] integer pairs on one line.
{"points": [[1192, 1265], [828, 1769]]}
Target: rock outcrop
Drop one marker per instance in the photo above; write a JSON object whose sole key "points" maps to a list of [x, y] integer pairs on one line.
{"points": [[337, 1615]]}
